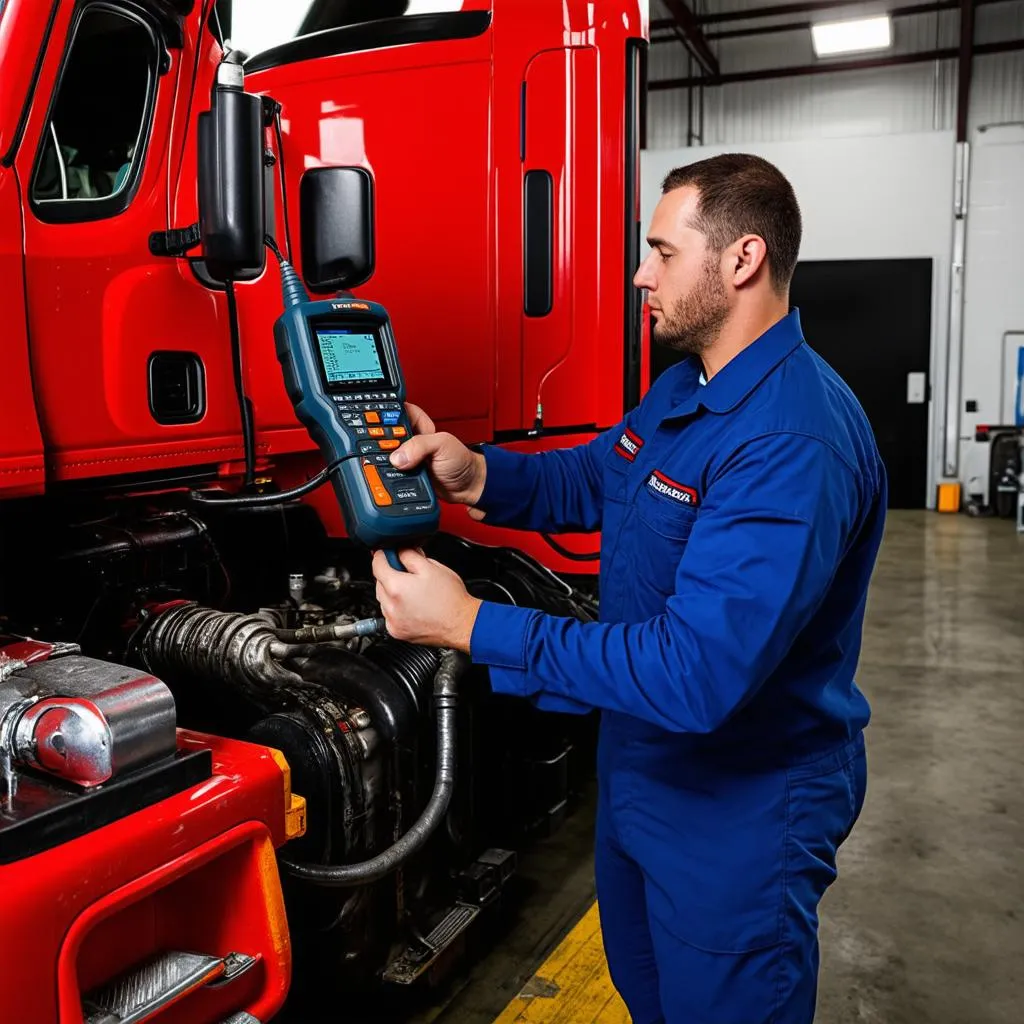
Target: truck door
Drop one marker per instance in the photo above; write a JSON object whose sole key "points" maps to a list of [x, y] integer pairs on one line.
{"points": [[130, 367], [401, 89], [22, 26], [499, 134]]}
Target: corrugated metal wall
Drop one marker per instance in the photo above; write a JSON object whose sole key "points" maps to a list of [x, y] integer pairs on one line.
{"points": [[910, 98]]}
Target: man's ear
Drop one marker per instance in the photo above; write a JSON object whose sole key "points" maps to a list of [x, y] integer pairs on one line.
{"points": [[747, 255]]}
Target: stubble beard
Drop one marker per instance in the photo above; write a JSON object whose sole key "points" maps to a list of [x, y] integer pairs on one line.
{"points": [[697, 318]]}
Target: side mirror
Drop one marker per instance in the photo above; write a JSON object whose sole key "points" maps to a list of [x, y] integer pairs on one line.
{"points": [[232, 214], [336, 211]]}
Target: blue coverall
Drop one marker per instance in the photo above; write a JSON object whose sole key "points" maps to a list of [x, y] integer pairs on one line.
{"points": [[740, 524]]}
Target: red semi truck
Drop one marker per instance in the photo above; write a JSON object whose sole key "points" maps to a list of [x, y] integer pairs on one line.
{"points": [[157, 704]]}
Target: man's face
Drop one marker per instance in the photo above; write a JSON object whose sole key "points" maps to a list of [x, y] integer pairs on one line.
{"points": [[687, 295]]}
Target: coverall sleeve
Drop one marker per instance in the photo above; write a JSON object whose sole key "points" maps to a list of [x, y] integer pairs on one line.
{"points": [[553, 491], [776, 521]]}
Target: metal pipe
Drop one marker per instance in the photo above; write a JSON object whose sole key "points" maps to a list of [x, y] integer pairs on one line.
{"points": [[829, 67], [964, 68], [446, 681], [330, 633]]}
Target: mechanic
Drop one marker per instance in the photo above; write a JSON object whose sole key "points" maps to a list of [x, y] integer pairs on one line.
{"points": [[741, 506]]}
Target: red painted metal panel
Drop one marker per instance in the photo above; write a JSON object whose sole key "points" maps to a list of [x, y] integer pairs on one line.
{"points": [[439, 125], [53, 905], [21, 446]]}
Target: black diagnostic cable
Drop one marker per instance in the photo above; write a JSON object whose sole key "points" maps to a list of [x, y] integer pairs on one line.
{"points": [[573, 556], [275, 498], [284, 184], [245, 408], [257, 500]]}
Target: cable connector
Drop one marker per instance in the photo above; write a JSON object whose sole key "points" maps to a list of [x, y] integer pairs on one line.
{"points": [[293, 293]]}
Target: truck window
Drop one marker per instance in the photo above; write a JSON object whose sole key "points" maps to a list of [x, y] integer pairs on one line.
{"points": [[257, 25], [96, 132]]}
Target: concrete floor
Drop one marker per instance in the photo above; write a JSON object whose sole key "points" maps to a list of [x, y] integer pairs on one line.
{"points": [[926, 922]]}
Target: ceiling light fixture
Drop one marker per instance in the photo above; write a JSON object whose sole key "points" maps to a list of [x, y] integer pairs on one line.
{"points": [[855, 36]]}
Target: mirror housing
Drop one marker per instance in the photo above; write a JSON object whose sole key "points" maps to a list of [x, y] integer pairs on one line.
{"points": [[232, 213], [336, 212]]}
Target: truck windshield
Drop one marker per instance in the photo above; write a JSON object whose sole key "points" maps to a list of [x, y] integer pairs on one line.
{"points": [[257, 25]]}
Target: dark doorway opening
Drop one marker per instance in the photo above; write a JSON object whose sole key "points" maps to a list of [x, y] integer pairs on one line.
{"points": [[871, 320]]}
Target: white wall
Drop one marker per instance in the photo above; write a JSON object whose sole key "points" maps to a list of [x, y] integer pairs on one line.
{"points": [[884, 197], [993, 288]]}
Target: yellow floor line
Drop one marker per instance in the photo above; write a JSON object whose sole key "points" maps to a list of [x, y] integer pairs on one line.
{"points": [[572, 986]]}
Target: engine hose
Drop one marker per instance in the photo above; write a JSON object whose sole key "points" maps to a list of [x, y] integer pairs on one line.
{"points": [[452, 665], [213, 646], [325, 634]]}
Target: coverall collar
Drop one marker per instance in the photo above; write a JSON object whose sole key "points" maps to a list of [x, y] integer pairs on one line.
{"points": [[740, 375]]}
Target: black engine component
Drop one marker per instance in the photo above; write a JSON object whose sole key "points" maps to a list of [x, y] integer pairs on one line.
{"points": [[239, 613]]}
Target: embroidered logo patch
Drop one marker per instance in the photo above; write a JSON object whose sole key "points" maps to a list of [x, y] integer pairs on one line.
{"points": [[629, 445], [657, 481]]}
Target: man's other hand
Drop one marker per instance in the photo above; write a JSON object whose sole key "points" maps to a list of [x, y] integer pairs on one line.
{"points": [[458, 474], [428, 604]]}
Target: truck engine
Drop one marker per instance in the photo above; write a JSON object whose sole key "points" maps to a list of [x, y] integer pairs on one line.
{"points": [[416, 778]]}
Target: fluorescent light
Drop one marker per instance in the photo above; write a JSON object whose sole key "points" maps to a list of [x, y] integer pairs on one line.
{"points": [[853, 36]]}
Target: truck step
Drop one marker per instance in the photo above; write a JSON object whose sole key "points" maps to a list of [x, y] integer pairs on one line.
{"points": [[139, 995], [418, 958]]}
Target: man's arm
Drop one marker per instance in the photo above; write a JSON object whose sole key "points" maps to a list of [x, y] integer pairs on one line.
{"points": [[775, 523], [552, 491]]}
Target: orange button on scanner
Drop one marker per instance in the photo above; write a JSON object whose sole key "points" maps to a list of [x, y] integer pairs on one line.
{"points": [[376, 432], [371, 417], [377, 488], [399, 432], [389, 446]]}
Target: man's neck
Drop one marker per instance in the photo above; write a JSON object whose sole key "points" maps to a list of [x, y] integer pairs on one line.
{"points": [[740, 331]]}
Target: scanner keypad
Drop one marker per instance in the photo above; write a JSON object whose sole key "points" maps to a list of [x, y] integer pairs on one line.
{"points": [[377, 421]]}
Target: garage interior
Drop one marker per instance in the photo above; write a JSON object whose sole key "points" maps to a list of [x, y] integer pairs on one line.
{"points": [[925, 922], [162, 514]]}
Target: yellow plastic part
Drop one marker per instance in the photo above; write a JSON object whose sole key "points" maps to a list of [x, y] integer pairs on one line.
{"points": [[949, 497], [572, 986], [294, 805]]}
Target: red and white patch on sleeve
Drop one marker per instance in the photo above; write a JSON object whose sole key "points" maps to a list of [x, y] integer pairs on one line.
{"points": [[629, 445]]}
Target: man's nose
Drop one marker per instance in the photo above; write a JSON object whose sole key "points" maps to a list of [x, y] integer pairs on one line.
{"points": [[643, 278]]}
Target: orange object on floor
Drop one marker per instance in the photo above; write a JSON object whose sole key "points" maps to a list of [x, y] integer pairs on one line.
{"points": [[949, 497]]}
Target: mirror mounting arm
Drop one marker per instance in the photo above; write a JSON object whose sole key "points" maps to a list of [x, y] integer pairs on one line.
{"points": [[176, 242]]}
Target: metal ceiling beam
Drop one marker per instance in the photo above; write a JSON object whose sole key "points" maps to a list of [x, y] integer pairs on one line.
{"points": [[805, 26], [829, 67], [776, 11], [911, 10], [690, 33]]}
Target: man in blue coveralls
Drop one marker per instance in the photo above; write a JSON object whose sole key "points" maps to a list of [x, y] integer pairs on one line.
{"points": [[741, 507]]}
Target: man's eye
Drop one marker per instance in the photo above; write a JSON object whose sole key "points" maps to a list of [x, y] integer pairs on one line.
{"points": [[665, 256]]}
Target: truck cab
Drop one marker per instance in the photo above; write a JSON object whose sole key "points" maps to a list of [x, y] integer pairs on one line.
{"points": [[499, 144], [502, 141]]}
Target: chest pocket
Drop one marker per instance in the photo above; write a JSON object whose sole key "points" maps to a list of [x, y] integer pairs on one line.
{"points": [[616, 473], [662, 527]]}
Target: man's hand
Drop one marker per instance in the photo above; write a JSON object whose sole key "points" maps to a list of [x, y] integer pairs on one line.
{"points": [[428, 605], [458, 474]]}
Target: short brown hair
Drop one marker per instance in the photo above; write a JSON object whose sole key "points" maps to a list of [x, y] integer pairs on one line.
{"points": [[740, 194]]}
